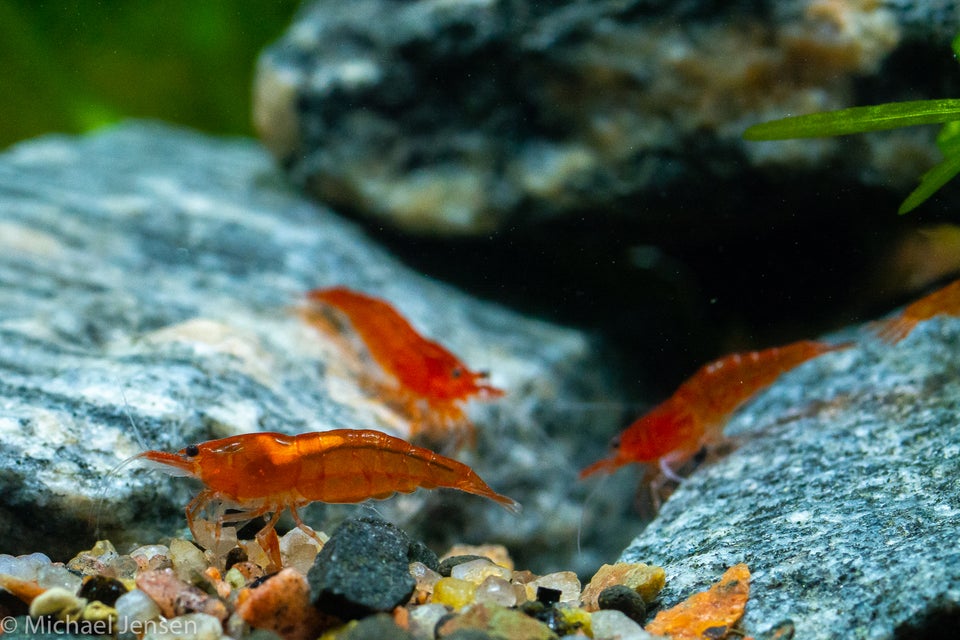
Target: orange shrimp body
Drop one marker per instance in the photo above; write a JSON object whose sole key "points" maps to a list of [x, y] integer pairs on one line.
{"points": [[422, 368], [676, 429], [945, 301], [269, 472]]}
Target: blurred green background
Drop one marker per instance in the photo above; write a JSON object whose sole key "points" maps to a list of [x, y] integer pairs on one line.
{"points": [[75, 65]]}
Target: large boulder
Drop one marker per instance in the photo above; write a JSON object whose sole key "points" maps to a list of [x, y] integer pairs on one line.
{"points": [[149, 276]]}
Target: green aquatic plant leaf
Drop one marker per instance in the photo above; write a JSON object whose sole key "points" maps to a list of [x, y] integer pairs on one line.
{"points": [[930, 182], [857, 120]]}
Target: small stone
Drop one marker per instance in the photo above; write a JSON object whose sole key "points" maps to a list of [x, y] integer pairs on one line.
{"points": [[498, 622], [614, 625], [362, 569], [134, 610], [299, 550], [420, 552], [191, 626], [476, 571], [564, 581], [96, 611], [56, 575], [424, 619], [57, 602], [282, 605], [496, 590], [454, 592], [449, 562], [102, 589], [647, 580], [375, 627], [496, 553], [188, 561], [176, 598], [575, 619], [426, 578], [622, 598], [24, 567]]}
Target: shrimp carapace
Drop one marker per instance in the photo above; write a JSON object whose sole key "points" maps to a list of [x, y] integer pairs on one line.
{"points": [[945, 301], [680, 426], [424, 372], [266, 472]]}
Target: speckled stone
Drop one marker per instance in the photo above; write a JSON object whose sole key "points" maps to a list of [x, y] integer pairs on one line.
{"points": [[362, 569], [147, 273], [463, 117], [843, 496]]}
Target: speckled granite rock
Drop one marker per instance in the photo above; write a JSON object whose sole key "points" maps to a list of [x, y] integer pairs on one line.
{"points": [[843, 497], [464, 117], [152, 270]]}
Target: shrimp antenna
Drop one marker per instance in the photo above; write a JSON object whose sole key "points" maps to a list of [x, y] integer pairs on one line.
{"points": [[583, 512], [120, 465], [136, 430]]}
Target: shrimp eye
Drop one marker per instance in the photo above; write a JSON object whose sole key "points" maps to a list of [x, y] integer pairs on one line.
{"points": [[615, 442], [192, 450], [456, 372]]}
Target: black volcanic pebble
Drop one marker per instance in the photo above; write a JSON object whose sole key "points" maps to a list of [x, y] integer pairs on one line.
{"points": [[362, 569], [102, 588], [624, 599]]}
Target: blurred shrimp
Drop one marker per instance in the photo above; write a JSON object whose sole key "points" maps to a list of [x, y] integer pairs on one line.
{"points": [[428, 381]]}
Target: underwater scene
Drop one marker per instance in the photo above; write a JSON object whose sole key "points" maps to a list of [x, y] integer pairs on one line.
{"points": [[465, 319]]}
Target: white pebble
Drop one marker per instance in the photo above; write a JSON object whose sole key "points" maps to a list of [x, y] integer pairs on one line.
{"points": [[476, 571], [299, 550], [23, 567], [58, 576], [192, 626], [134, 610], [149, 551], [495, 590], [188, 561], [424, 619], [609, 624]]}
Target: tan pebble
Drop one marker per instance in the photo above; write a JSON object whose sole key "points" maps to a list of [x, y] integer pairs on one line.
{"points": [[564, 581], [426, 578], [188, 561], [97, 611], [497, 622], [282, 605], [298, 550], [647, 580], [476, 571], [57, 602], [496, 552]]}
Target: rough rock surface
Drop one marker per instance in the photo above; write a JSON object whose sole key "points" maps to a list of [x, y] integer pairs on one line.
{"points": [[363, 569], [147, 276], [843, 496], [464, 117]]}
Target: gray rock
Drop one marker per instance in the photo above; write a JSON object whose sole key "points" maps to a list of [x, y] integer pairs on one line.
{"points": [[464, 117], [362, 570], [147, 277], [842, 498]]}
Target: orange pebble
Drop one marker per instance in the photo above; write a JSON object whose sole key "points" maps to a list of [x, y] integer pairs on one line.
{"points": [[716, 610], [281, 604]]}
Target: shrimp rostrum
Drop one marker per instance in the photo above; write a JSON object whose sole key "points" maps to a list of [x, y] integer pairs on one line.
{"points": [[268, 472]]}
